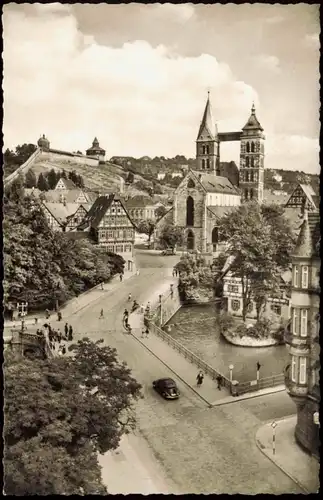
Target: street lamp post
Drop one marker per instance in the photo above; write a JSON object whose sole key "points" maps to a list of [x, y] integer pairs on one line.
{"points": [[231, 370], [274, 425], [161, 309]]}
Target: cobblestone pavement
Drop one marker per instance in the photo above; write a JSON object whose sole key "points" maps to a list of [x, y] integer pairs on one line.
{"points": [[198, 449]]}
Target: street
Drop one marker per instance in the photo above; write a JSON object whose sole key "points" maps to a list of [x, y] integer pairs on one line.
{"points": [[199, 450]]}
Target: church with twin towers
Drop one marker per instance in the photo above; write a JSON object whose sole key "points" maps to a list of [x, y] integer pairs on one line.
{"points": [[213, 188]]}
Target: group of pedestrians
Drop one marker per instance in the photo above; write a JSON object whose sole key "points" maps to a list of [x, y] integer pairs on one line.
{"points": [[57, 337], [200, 378]]}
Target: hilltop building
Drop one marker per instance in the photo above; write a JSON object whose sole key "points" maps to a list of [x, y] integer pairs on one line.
{"points": [[213, 188], [43, 143], [302, 374], [96, 150]]}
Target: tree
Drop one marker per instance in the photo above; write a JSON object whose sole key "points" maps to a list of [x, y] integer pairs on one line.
{"points": [[130, 178], [51, 179], [24, 151], [160, 211], [171, 236], [59, 414], [260, 242], [146, 227], [30, 179], [42, 183]]}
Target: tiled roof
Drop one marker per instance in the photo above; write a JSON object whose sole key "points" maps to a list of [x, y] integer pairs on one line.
{"points": [[61, 211], [304, 245], [230, 170], [68, 183], [70, 196], [219, 211], [97, 211], [216, 184], [33, 192]]}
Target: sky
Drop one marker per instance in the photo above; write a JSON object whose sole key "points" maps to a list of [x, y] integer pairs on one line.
{"points": [[136, 76]]}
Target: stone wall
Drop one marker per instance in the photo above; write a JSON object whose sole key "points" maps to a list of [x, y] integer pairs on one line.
{"points": [[68, 158], [306, 431], [23, 169]]}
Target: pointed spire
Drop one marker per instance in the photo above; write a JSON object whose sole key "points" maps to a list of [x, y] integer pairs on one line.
{"points": [[304, 245], [253, 122], [207, 123]]}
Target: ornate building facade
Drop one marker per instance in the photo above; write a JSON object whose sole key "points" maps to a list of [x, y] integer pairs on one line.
{"points": [[302, 336]]}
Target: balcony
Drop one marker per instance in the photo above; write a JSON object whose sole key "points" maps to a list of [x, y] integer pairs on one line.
{"points": [[295, 340], [296, 391]]}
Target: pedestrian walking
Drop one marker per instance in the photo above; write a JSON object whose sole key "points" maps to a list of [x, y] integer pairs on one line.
{"points": [[199, 378], [126, 314], [120, 276], [59, 316], [126, 323], [47, 314], [70, 333], [101, 314], [143, 331], [36, 321], [63, 349], [59, 335], [66, 328], [219, 381], [137, 272], [147, 332], [129, 297]]}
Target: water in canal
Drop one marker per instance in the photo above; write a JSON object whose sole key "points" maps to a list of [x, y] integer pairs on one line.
{"points": [[195, 327]]}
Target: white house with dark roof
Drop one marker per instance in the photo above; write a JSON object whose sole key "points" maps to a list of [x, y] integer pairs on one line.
{"points": [[64, 217]]}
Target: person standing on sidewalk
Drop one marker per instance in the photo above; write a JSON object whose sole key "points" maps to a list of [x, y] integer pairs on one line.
{"points": [[199, 378], [101, 314], [66, 329], [120, 276], [219, 381], [70, 333], [147, 332]]}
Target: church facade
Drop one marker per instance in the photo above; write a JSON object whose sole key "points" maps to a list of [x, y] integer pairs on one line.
{"points": [[214, 188]]}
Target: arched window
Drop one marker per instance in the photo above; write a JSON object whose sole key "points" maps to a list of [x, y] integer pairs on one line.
{"points": [[247, 161], [207, 150], [246, 194], [190, 240], [248, 147], [251, 194], [190, 211], [207, 163], [252, 161], [252, 147], [190, 184], [203, 164]]}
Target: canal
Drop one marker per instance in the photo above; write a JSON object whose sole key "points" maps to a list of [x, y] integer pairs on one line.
{"points": [[195, 328]]}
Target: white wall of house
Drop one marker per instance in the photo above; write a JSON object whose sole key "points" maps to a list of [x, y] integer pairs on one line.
{"points": [[224, 200]]}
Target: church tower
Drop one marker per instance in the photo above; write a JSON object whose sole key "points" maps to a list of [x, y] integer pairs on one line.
{"points": [[252, 153], [208, 144]]}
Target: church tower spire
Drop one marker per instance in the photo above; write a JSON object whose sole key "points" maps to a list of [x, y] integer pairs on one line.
{"points": [[207, 143], [252, 154]]}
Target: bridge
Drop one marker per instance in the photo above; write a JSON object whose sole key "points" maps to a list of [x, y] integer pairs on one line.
{"points": [[29, 345]]}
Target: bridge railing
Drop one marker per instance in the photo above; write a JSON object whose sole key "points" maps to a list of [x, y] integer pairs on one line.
{"points": [[193, 358], [262, 383]]}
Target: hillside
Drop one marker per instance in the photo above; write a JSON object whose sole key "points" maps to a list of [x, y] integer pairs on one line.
{"points": [[103, 178]]}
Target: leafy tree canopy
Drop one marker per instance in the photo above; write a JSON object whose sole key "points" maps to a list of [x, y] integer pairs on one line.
{"points": [[160, 211], [261, 241], [146, 227], [171, 236], [59, 414]]}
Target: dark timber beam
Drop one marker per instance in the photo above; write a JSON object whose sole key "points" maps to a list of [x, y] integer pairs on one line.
{"points": [[229, 136]]}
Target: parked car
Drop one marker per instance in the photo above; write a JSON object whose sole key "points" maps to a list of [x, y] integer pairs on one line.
{"points": [[168, 251], [167, 388]]}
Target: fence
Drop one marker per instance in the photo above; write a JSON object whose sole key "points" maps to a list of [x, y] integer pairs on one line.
{"points": [[262, 383], [207, 369], [22, 168]]}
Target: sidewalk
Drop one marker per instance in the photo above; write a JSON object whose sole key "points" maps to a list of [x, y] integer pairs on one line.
{"points": [[74, 305], [289, 457], [177, 363]]}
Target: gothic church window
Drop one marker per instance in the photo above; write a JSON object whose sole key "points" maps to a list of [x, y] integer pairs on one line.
{"points": [[252, 161], [190, 184], [207, 163], [247, 161], [190, 211], [203, 163], [248, 147], [252, 147], [207, 150]]}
